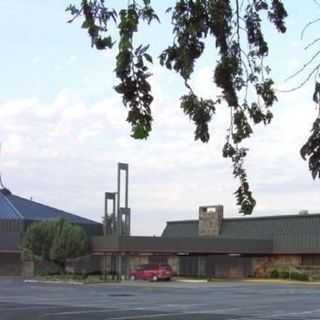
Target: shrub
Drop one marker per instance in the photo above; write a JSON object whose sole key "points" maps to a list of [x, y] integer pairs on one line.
{"points": [[284, 275], [274, 274], [79, 277], [55, 241], [300, 276], [38, 239], [70, 241]]}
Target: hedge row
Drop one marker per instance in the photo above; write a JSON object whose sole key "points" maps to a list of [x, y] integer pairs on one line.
{"points": [[300, 276]]}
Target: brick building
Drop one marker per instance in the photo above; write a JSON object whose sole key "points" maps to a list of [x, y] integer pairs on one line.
{"points": [[215, 246], [211, 246]]}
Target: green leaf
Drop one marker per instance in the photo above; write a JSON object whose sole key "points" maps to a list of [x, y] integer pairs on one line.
{"points": [[86, 24], [316, 93], [104, 43], [139, 132], [148, 57]]}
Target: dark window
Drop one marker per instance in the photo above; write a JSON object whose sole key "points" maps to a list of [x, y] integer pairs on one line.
{"points": [[158, 259], [189, 265], [311, 260]]}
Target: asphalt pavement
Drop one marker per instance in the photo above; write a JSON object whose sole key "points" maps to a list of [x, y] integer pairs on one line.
{"points": [[158, 301]]}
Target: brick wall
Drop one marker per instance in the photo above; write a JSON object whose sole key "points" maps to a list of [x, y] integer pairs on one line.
{"points": [[264, 265], [224, 266], [10, 264]]}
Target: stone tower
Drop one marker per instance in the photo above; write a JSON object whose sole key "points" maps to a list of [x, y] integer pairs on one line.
{"points": [[210, 220]]}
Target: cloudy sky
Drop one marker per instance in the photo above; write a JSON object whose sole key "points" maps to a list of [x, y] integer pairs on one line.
{"points": [[63, 128]]}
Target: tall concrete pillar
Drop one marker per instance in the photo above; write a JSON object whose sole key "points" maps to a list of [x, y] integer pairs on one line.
{"points": [[109, 223], [123, 213]]}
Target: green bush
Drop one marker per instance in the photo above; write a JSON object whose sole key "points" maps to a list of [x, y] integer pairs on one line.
{"points": [[55, 241], [300, 276], [38, 240], [274, 274], [79, 277], [284, 275]]}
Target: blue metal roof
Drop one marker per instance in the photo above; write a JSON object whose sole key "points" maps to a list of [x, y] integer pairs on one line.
{"points": [[15, 207], [7, 210]]}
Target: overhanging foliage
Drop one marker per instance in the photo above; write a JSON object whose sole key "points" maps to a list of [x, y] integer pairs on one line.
{"points": [[247, 86]]}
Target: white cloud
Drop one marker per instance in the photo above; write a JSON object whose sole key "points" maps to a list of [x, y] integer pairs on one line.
{"points": [[65, 152]]}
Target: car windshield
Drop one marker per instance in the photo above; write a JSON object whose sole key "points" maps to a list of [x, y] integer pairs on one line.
{"points": [[165, 266], [141, 268], [152, 267]]}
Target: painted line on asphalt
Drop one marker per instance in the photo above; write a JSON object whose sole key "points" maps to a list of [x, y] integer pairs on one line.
{"points": [[153, 315], [57, 303], [293, 313], [150, 316], [13, 308], [172, 314], [65, 313], [54, 282]]}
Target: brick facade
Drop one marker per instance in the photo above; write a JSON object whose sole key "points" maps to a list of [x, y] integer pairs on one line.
{"points": [[263, 266], [10, 264]]}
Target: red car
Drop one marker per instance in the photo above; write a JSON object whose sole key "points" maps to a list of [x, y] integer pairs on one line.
{"points": [[152, 272]]}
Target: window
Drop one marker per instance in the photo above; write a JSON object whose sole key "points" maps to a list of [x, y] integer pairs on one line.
{"points": [[158, 259], [311, 260]]}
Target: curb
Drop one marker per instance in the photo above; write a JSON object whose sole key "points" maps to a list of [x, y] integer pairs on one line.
{"points": [[54, 282], [275, 281], [192, 281]]}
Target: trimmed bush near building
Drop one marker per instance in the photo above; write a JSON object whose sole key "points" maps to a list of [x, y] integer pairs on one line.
{"points": [[284, 275], [299, 276], [274, 274], [53, 242]]}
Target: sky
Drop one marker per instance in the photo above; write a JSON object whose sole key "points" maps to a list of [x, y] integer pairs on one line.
{"points": [[63, 127]]}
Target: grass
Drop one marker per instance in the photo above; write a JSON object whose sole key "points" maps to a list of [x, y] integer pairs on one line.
{"points": [[90, 279], [256, 280], [96, 279], [282, 281]]}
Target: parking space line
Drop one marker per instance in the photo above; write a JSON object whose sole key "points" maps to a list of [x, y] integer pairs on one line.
{"points": [[292, 313], [65, 313], [13, 308], [150, 316], [164, 315]]}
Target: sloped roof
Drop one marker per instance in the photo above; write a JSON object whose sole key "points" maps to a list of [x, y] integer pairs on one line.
{"points": [[268, 227], [181, 229], [15, 207], [7, 210], [289, 233]]}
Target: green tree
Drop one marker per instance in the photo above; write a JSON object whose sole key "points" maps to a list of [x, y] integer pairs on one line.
{"points": [[55, 241], [240, 71], [70, 241], [38, 239]]}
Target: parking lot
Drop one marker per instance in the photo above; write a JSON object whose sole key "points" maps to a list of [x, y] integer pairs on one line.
{"points": [[163, 301]]}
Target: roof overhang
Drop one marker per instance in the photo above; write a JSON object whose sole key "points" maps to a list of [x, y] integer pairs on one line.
{"points": [[114, 244]]}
